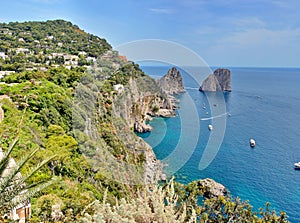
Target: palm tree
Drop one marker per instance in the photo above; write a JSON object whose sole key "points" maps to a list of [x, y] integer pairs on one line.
{"points": [[14, 189]]}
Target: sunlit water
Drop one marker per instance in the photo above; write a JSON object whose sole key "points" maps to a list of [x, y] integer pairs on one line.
{"points": [[264, 105]]}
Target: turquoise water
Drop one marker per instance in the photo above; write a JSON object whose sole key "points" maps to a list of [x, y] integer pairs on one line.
{"points": [[264, 105]]}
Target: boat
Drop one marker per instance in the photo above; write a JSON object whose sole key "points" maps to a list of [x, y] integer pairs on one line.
{"points": [[297, 166], [252, 143], [210, 127]]}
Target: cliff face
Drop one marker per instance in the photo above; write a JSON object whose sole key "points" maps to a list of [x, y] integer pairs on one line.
{"points": [[172, 82], [220, 80], [142, 99], [137, 104]]}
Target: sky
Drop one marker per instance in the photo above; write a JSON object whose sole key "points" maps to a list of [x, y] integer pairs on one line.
{"points": [[245, 33]]}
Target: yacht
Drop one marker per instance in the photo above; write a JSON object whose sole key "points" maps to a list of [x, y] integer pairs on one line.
{"points": [[252, 143], [297, 166]]}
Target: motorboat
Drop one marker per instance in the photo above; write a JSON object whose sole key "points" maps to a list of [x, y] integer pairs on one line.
{"points": [[210, 127], [252, 143], [297, 166]]}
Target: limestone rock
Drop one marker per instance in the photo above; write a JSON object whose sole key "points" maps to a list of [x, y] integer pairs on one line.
{"points": [[165, 113], [220, 80], [172, 82], [141, 127], [212, 188]]}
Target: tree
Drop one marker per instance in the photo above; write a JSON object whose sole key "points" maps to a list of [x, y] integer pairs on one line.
{"points": [[60, 144]]}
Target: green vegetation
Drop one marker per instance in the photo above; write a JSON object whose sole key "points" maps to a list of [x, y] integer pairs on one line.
{"points": [[43, 101], [15, 188], [164, 204], [40, 45]]}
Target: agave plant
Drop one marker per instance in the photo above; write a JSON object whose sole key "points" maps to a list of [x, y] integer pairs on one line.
{"points": [[14, 189]]}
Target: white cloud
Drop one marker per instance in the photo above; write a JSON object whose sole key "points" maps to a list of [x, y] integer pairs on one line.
{"points": [[263, 36], [281, 4], [257, 47], [162, 10], [249, 22]]}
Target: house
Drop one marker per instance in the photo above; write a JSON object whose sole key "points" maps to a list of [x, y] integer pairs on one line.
{"points": [[50, 37], [5, 72], [124, 58], [91, 59], [22, 211], [3, 55], [22, 50], [82, 53], [119, 88], [6, 31]]}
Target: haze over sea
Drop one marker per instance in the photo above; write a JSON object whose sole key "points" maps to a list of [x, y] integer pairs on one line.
{"points": [[264, 105]]}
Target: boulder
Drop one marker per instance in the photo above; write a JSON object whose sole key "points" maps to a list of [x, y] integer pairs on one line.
{"points": [[212, 188]]}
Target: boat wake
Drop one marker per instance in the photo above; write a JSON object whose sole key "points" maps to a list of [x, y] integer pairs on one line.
{"points": [[217, 116], [191, 88]]}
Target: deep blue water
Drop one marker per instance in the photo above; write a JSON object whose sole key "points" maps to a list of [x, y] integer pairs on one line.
{"points": [[264, 105]]}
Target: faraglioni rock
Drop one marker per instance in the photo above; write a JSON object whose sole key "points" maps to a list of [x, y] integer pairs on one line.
{"points": [[220, 80], [172, 82]]}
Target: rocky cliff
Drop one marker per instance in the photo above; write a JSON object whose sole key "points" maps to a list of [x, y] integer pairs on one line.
{"points": [[172, 83], [220, 80], [141, 100], [128, 98]]}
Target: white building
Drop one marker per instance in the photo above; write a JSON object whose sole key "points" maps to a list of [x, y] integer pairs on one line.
{"points": [[119, 88], [22, 50], [5, 72], [3, 55]]}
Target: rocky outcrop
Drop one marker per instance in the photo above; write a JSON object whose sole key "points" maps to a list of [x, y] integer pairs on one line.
{"points": [[137, 104], [172, 82], [211, 188], [220, 80], [140, 126]]}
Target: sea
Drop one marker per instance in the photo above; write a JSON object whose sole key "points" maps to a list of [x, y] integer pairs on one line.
{"points": [[264, 105]]}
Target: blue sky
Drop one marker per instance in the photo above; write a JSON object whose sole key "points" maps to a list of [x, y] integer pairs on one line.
{"points": [[262, 33]]}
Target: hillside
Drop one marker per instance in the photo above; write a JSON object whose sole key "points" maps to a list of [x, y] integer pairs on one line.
{"points": [[39, 45], [85, 115]]}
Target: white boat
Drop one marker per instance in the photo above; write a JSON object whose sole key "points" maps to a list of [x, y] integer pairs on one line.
{"points": [[210, 127], [252, 143], [297, 166]]}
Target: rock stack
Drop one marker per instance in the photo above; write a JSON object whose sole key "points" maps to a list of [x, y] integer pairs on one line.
{"points": [[220, 80], [172, 82]]}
